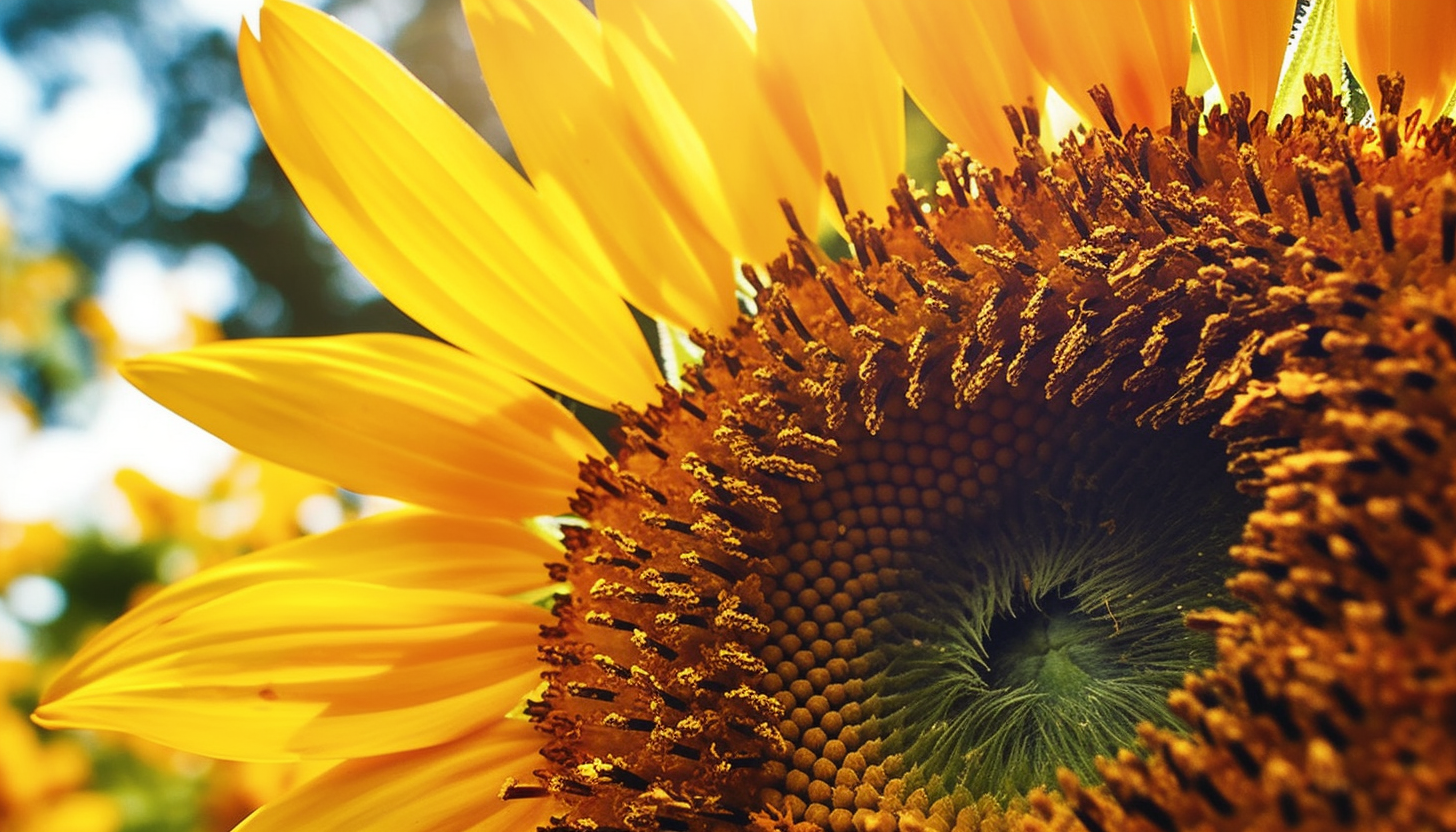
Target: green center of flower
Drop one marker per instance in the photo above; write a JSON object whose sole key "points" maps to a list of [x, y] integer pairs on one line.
{"points": [[1040, 636], [1049, 648]]}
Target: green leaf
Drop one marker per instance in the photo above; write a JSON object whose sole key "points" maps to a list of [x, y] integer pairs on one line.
{"points": [[1315, 50], [677, 352]]}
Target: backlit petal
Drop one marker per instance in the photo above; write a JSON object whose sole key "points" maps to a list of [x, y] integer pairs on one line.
{"points": [[586, 160], [1139, 48], [962, 63], [1412, 37], [431, 215], [300, 669], [849, 88], [715, 116], [387, 414], [449, 788], [406, 549], [1244, 44]]}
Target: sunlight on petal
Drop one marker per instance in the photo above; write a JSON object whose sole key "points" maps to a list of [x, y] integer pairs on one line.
{"points": [[1139, 48], [1244, 44], [715, 116], [961, 63], [383, 794], [408, 549], [310, 669], [430, 214], [850, 89], [1412, 37], [587, 161], [387, 414]]}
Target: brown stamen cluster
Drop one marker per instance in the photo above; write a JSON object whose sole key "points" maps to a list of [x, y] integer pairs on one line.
{"points": [[1333, 704], [714, 666]]}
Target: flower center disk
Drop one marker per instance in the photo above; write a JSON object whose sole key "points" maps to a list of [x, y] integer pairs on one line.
{"points": [[923, 531], [973, 598]]}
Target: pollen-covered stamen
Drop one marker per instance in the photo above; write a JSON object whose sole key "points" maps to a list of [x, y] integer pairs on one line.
{"points": [[1345, 440]]}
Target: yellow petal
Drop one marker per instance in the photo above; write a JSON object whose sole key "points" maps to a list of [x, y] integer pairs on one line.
{"points": [[715, 116], [1412, 37], [1139, 48], [961, 62], [387, 414], [430, 214], [849, 88], [320, 669], [406, 549], [449, 788], [585, 160], [1244, 44]]}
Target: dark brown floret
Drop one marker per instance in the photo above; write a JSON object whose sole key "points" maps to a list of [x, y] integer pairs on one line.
{"points": [[1334, 698], [715, 664]]}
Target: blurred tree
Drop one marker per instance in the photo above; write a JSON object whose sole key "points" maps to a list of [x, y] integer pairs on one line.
{"points": [[125, 120]]}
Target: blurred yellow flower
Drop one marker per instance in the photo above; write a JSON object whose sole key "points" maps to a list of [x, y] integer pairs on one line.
{"points": [[33, 294], [43, 784], [111, 348], [253, 505], [235, 790], [29, 548]]}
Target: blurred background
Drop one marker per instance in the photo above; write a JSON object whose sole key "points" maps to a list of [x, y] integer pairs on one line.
{"points": [[140, 212]]}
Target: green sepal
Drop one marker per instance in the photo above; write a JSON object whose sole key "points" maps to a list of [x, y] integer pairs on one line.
{"points": [[1315, 51]]}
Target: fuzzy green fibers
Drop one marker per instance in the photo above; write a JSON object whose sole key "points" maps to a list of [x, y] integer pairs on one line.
{"points": [[1040, 638]]}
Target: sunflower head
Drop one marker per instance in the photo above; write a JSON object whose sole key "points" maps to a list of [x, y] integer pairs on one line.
{"points": [[937, 535]]}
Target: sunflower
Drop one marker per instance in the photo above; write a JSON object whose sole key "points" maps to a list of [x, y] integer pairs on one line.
{"points": [[933, 536]]}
